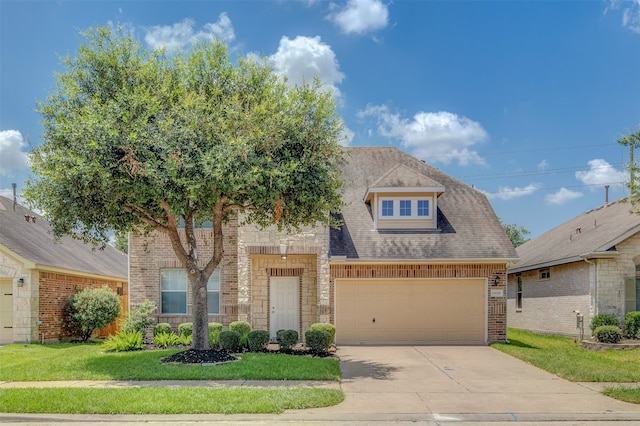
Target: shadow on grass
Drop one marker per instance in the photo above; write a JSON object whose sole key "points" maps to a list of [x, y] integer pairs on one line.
{"points": [[365, 369], [520, 344]]}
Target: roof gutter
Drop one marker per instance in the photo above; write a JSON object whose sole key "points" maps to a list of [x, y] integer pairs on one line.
{"points": [[579, 258], [344, 259]]}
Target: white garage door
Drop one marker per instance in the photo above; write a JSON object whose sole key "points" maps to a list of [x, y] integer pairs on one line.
{"points": [[451, 311]]}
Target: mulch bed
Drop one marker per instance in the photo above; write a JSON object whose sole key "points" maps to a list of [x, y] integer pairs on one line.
{"points": [[216, 356]]}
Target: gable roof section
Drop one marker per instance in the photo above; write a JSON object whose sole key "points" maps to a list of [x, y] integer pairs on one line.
{"points": [[468, 228], [34, 242], [401, 177], [594, 233]]}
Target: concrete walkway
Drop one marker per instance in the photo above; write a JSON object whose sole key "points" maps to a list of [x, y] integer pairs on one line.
{"points": [[425, 384]]}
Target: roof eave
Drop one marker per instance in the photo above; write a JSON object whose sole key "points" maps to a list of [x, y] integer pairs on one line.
{"points": [[546, 264], [344, 259]]}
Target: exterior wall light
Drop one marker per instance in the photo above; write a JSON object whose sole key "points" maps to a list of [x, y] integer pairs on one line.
{"points": [[283, 251]]}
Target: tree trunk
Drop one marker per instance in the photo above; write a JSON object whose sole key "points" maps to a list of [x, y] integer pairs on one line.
{"points": [[200, 314]]}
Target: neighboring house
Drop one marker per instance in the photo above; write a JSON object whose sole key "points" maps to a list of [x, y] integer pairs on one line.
{"points": [[590, 265], [420, 258], [38, 274]]}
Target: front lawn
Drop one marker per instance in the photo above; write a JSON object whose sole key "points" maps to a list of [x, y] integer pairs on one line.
{"points": [[569, 360], [165, 400], [86, 362]]}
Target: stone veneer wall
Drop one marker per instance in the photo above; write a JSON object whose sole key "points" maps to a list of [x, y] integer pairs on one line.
{"points": [[147, 255], [496, 309], [611, 274], [259, 256]]}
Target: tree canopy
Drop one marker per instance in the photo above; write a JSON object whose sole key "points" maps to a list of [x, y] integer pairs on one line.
{"points": [[137, 139], [517, 234]]}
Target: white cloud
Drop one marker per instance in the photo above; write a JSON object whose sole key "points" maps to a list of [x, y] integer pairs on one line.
{"points": [[11, 155], [176, 36], [347, 137], [304, 58], [630, 13], [432, 136], [508, 193], [601, 173], [562, 196], [543, 165], [360, 16]]}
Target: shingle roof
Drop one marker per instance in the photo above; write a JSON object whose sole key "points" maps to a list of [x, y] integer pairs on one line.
{"points": [[401, 176], [34, 242], [595, 231], [467, 225]]}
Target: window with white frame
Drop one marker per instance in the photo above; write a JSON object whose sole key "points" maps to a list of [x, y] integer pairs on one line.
{"points": [[519, 293], [405, 208], [173, 283]]}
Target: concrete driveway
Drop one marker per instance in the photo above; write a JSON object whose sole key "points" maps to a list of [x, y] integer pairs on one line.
{"points": [[464, 382]]}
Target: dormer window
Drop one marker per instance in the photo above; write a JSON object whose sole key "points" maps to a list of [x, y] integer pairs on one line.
{"points": [[403, 198], [405, 207]]}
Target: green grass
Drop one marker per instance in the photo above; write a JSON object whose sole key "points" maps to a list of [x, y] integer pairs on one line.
{"points": [[560, 356], [164, 400], [87, 362], [569, 360], [623, 394]]}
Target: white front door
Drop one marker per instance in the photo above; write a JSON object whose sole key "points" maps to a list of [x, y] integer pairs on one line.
{"points": [[6, 311], [283, 304]]}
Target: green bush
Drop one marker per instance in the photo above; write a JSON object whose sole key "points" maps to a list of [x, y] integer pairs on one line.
{"points": [[215, 328], [162, 328], [230, 340], [162, 340], [257, 340], [608, 334], [604, 319], [139, 317], [318, 340], [632, 325], [242, 328], [287, 338], [123, 341], [185, 340], [329, 328], [185, 329], [91, 309]]}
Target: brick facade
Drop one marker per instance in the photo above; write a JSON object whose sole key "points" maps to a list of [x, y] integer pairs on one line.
{"points": [[593, 287], [55, 289], [149, 254], [548, 304]]}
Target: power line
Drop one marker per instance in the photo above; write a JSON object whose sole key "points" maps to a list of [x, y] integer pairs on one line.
{"points": [[550, 188], [537, 172], [546, 149]]}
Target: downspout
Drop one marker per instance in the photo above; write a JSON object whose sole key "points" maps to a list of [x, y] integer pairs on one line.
{"points": [[594, 298]]}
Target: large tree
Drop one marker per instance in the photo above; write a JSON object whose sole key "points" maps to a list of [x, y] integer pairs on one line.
{"points": [[138, 139]]}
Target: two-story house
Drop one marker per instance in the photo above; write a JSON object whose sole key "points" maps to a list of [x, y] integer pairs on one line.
{"points": [[420, 258]]}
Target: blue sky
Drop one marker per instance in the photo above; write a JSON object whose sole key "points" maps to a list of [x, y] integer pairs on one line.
{"points": [[522, 100]]}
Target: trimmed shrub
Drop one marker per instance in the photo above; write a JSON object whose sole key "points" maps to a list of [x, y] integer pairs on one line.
{"points": [[185, 329], [230, 340], [242, 328], [632, 325], [215, 328], [318, 340], [91, 309], [163, 340], [162, 328], [257, 340], [123, 341], [139, 317], [287, 338], [604, 319], [608, 334], [329, 328]]}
